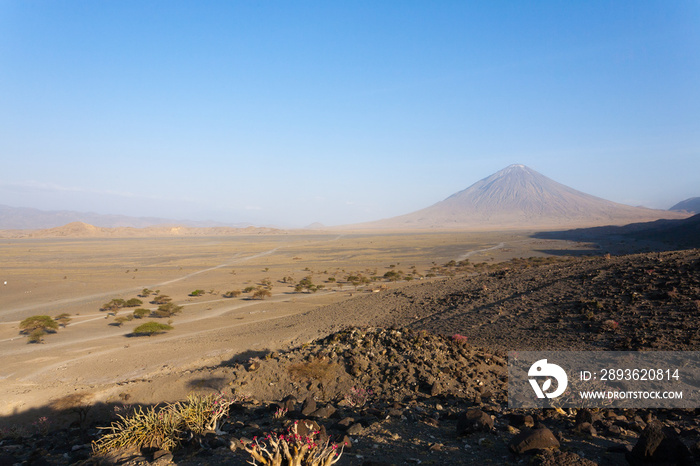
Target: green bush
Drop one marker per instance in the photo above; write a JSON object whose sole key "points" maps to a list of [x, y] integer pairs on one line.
{"points": [[151, 328], [113, 305], [141, 312], [161, 299], [167, 310], [232, 294], [262, 293], [307, 284], [197, 293], [44, 323], [133, 302]]}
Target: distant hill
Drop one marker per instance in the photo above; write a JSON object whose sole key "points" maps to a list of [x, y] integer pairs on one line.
{"points": [[689, 205], [25, 218], [519, 197], [85, 230]]}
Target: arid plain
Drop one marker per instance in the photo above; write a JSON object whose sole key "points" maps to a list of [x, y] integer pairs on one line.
{"points": [[94, 358]]}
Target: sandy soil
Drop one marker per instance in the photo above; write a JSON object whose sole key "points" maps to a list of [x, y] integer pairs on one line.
{"points": [[92, 356]]}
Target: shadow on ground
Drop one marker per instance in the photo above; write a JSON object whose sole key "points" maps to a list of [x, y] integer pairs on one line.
{"points": [[658, 236]]}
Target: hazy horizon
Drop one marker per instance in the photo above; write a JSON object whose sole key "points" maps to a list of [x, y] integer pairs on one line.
{"points": [[294, 113]]}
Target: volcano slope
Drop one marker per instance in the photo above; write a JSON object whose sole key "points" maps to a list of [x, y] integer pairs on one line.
{"points": [[426, 383]]}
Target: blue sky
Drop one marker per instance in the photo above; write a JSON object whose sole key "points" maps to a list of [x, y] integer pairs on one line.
{"points": [[293, 112]]}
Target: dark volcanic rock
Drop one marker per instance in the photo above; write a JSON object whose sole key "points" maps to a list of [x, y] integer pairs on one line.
{"points": [[474, 420], [659, 445], [309, 406], [535, 439]]}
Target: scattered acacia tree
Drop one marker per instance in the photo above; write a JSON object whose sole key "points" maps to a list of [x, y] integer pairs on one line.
{"points": [[167, 310], [307, 284], [354, 280], [392, 275], [114, 305], [141, 312], [62, 319], [232, 294], [151, 328], [161, 299], [145, 293], [37, 326], [266, 282], [119, 321], [133, 302], [262, 293]]}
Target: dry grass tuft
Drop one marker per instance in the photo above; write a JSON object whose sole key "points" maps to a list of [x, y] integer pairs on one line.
{"points": [[316, 369], [164, 427]]}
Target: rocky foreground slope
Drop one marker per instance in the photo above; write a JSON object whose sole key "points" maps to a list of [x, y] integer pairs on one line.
{"points": [[427, 383]]}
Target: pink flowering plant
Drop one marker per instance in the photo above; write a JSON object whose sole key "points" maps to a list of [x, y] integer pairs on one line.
{"points": [[357, 397], [293, 450]]}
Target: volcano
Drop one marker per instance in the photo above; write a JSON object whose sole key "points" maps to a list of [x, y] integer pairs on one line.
{"points": [[519, 197]]}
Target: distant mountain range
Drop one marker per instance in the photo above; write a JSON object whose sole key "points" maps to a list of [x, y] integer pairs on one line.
{"points": [[516, 197], [519, 197], [689, 205], [85, 230], [24, 218]]}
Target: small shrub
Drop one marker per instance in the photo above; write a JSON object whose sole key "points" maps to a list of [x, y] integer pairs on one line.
{"points": [[232, 294], [392, 275], [151, 328], [459, 339], [248, 289], [610, 326], [197, 293], [141, 313], [62, 319], [76, 403], [119, 321]]}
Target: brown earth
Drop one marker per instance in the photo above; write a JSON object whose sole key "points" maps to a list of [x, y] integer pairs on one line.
{"points": [[422, 384]]}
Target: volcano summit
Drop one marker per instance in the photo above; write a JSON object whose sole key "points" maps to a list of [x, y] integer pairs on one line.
{"points": [[519, 197]]}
